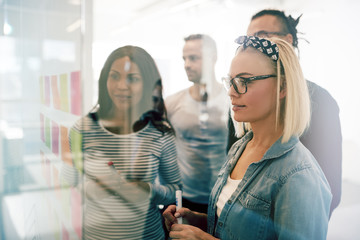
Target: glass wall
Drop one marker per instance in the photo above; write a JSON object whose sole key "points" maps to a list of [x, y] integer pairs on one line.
{"points": [[51, 55], [42, 63]]}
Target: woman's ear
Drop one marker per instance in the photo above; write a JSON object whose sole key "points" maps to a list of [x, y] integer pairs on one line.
{"points": [[282, 89], [289, 38]]}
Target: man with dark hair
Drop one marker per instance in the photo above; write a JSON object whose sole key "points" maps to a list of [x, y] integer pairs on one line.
{"points": [[323, 137], [199, 117]]}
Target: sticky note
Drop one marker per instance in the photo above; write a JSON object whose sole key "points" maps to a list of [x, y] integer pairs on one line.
{"points": [[42, 127], [55, 92], [47, 91], [55, 138], [64, 93], [76, 149], [65, 145], [47, 132], [76, 96]]}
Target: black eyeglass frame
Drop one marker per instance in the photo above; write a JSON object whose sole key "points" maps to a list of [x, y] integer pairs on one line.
{"points": [[267, 34], [242, 80]]}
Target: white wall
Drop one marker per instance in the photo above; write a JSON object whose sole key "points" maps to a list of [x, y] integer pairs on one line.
{"points": [[331, 59]]}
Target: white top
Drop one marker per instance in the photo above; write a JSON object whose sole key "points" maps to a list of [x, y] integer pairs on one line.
{"points": [[228, 189]]}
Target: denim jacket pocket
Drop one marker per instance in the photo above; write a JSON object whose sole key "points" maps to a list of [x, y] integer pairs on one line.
{"points": [[253, 202], [248, 218]]}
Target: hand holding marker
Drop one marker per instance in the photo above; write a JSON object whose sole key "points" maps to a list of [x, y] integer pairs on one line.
{"points": [[178, 195]]}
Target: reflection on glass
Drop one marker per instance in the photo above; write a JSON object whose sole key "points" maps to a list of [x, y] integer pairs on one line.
{"points": [[199, 115], [128, 151]]}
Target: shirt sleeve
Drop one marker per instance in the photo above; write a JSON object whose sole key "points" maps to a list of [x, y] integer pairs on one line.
{"points": [[302, 206], [72, 172], [163, 192]]}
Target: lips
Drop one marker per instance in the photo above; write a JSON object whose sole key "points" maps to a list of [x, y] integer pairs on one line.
{"points": [[122, 97], [189, 72], [238, 107]]}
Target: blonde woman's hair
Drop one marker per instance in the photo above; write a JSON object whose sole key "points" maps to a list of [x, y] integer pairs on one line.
{"points": [[294, 110]]}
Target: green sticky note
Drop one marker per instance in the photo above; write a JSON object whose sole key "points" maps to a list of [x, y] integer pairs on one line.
{"points": [[76, 149]]}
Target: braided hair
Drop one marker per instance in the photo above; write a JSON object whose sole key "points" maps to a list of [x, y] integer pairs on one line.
{"points": [[288, 22], [157, 116]]}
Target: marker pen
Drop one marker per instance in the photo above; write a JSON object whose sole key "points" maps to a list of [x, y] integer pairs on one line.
{"points": [[178, 195], [112, 167], [114, 171]]}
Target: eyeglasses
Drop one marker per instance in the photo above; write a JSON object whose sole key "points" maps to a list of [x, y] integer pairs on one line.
{"points": [[240, 83], [268, 34]]}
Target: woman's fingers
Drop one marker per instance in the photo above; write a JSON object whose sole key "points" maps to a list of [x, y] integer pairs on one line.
{"points": [[169, 217]]}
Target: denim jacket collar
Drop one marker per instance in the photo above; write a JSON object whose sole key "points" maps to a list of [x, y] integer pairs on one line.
{"points": [[276, 150], [256, 201]]}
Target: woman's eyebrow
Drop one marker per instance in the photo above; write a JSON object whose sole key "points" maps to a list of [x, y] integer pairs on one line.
{"points": [[132, 73], [242, 74], [114, 70]]}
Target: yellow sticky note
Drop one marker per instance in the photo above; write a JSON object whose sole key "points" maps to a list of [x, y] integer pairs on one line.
{"points": [[64, 93]]}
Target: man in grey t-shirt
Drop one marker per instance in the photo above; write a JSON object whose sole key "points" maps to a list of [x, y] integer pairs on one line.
{"points": [[199, 115]]}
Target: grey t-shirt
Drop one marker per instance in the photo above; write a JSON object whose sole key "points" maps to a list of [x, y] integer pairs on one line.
{"points": [[201, 139]]}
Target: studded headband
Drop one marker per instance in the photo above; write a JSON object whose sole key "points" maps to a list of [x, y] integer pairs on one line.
{"points": [[263, 45]]}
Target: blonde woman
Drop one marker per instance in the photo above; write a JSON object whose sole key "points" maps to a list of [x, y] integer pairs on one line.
{"points": [[271, 187]]}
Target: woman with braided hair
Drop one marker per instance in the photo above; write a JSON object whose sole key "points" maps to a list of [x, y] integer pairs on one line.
{"points": [[271, 186]]}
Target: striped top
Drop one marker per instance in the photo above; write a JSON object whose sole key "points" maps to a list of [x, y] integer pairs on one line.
{"points": [[147, 155]]}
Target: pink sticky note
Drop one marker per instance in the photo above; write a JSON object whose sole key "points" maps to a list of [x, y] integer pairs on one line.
{"points": [[55, 138], [55, 92], [76, 98], [47, 132], [47, 91]]}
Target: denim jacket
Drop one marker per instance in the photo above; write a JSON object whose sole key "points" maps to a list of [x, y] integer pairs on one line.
{"points": [[283, 196]]}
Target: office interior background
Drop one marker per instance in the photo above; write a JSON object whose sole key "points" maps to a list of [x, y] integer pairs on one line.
{"points": [[51, 54]]}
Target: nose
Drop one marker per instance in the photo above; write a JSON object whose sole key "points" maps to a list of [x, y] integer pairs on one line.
{"points": [[122, 83], [187, 63]]}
